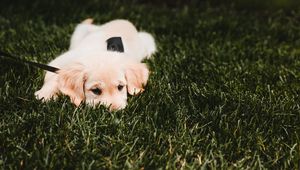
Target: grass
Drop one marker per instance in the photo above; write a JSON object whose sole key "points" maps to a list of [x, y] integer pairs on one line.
{"points": [[223, 93]]}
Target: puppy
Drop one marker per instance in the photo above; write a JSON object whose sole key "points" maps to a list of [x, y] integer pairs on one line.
{"points": [[92, 74]]}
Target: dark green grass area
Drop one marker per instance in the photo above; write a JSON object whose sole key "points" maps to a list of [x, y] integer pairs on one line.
{"points": [[223, 93]]}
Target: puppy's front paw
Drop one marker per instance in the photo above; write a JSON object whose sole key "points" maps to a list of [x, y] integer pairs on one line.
{"points": [[44, 94]]}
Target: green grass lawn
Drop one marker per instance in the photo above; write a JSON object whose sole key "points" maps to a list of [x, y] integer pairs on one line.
{"points": [[223, 93]]}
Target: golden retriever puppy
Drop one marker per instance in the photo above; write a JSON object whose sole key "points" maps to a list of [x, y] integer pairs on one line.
{"points": [[92, 74]]}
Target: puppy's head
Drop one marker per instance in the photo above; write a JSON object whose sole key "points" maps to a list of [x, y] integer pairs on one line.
{"points": [[106, 84]]}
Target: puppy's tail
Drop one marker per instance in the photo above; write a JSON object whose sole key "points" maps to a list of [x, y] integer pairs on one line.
{"points": [[148, 42]]}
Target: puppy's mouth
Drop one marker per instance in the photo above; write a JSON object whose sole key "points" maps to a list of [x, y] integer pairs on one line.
{"points": [[110, 106]]}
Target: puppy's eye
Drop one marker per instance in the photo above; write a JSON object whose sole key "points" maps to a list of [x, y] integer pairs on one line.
{"points": [[120, 87], [96, 91]]}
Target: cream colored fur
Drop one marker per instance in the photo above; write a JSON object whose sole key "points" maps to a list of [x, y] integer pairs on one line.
{"points": [[88, 65]]}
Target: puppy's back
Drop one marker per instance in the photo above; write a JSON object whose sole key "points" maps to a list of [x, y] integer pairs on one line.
{"points": [[119, 27]]}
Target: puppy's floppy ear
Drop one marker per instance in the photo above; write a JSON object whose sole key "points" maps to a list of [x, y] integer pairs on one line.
{"points": [[71, 82], [137, 76]]}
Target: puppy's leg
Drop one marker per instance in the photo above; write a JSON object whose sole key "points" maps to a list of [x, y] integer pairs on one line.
{"points": [[88, 21], [148, 42], [81, 31], [49, 89]]}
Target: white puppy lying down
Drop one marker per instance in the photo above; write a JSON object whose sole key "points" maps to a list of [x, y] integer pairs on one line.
{"points": [[89, 72]]}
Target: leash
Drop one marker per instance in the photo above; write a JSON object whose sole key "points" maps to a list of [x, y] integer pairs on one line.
{"points": [[39, 65], [113, 44]]}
